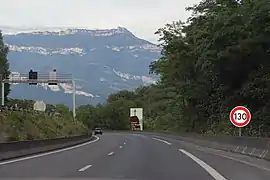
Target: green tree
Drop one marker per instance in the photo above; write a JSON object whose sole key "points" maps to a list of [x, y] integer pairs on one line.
{"points": [[86, 114], [212, 60], [4, 66]]}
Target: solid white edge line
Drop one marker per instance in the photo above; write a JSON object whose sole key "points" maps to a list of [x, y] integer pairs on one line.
{"points": [[111, 153], [166, 142], [205, 166], [235, 159], [48, 153], [84, 168]]}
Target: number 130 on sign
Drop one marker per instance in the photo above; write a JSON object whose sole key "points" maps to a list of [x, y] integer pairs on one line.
{"points": [[240, 116]]}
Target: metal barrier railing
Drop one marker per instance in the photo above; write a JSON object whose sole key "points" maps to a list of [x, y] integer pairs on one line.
{"points": [[14, 108]]}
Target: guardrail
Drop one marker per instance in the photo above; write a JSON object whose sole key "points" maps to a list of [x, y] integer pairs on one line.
{"points": [[17, 149], [14, 108]]}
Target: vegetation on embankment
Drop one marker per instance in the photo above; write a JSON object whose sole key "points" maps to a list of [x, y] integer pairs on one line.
{"points": [[16, 125], [56, 121], [215, 61]]}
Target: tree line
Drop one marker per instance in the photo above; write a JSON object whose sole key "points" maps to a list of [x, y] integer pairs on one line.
{"points": [[217, 59]]}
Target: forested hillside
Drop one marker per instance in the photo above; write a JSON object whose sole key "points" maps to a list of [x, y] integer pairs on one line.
{"points": [[216, 60]]}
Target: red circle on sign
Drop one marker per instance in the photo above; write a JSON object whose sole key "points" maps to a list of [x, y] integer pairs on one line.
{"points": [[233, 120]]}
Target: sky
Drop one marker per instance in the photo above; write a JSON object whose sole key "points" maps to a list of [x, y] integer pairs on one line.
{"points": [[142, 17]]}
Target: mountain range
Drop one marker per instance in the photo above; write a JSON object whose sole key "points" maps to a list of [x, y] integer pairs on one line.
{"points": [[101, 62]]}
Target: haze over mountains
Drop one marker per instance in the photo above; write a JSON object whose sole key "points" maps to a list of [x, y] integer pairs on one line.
{"points": [[101, 62]]}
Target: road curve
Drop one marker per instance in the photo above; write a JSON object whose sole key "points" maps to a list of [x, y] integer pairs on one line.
{"points": [[139, 157]]}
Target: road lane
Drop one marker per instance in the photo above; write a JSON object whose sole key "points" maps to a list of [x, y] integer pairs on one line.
{"points": [[59, 164], [141, 157]]}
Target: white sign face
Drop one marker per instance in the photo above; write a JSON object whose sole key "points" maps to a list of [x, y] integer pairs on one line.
{"points": [[39, 106], [139, 113]]}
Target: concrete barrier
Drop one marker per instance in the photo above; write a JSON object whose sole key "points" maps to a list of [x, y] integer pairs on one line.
{"points": [[11, 150]]}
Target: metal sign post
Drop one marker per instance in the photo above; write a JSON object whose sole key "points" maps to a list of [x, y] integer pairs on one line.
{"points": [[74, 98], [3, 93], [239, 131]]}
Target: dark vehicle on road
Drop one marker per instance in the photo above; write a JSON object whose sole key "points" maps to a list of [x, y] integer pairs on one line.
{"points": [[98, 131]]}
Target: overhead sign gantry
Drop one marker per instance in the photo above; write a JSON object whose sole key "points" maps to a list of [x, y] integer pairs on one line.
{"points": [[34, 78]]}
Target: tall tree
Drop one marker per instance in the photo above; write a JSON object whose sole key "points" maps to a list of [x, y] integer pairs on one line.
{"points": [[4, 65]]}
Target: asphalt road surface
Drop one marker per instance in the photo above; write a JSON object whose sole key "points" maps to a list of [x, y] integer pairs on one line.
{"points": [[127, 156]]}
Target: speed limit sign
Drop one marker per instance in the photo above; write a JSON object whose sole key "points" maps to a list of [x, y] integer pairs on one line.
{"points": [[240, 116]]}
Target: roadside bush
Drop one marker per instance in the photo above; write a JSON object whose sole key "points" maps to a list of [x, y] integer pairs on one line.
{"points": [[16, 126]]}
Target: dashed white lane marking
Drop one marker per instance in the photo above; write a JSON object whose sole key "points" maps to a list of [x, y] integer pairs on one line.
{"points": [[124, 142], [84, 168], [111, 153], [120, 147], [205, 166], [166, 142], [49, 153]]}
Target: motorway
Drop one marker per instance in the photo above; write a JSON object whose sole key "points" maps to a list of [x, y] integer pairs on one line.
{"points": [[138, 156]]}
